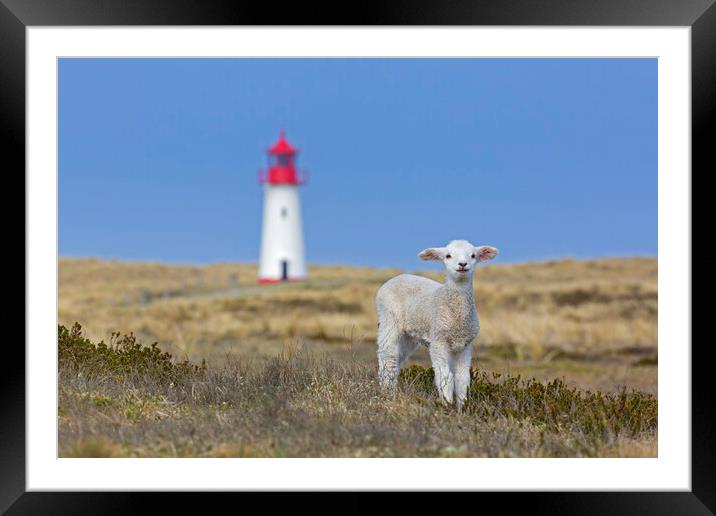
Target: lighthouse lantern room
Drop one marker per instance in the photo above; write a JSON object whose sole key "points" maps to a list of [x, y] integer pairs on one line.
{"points": [[282, 253]]}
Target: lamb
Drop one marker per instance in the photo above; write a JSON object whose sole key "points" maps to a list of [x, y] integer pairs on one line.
{"points": [[413, 310]]}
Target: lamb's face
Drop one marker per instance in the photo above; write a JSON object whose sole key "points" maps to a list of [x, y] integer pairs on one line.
{"points": [[459, 257]]}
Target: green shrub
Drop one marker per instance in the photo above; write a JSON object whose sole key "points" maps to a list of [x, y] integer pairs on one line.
{"points": [[419, 377], [123, 356], [553, 404]]}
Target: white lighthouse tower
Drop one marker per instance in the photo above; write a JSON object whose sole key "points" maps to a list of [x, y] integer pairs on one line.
{"points": [[282, 254]]}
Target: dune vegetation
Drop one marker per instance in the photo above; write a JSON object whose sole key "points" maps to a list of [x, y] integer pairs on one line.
{"points": [[128, 399], [565, 364]]}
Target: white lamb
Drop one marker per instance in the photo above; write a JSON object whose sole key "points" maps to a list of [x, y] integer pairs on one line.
{"points": [[414, 310]]}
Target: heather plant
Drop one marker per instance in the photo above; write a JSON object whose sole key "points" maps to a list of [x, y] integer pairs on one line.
{"points": [[552, 405], [122, 357]]}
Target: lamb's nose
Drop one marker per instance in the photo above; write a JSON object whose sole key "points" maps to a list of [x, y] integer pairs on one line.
{"points": [[462, 264]]}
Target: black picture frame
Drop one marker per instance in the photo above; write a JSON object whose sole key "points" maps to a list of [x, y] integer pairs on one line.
{"points": [[700, 15]]}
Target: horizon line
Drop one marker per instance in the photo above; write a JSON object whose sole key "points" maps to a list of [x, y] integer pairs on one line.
{"points": [[356, 265]]}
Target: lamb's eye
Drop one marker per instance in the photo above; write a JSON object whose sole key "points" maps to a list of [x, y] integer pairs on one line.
{"points": [[448, 256], [473, 255]]}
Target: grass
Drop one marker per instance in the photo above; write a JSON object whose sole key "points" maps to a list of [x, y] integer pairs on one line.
{"points": [[565, 364], [133, 400], [531, 311]]}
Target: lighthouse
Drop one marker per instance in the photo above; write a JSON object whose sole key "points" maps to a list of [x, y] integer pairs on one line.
{"points": [[282, 254]]}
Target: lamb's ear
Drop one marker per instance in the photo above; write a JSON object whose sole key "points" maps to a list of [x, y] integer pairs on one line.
{"points": [[433, 253], [485, 252]]}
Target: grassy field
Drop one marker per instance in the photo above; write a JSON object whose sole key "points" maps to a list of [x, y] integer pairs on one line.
{"points": [[290, 368]]}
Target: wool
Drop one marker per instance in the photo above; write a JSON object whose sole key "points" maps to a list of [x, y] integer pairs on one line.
{"points": [[413, 310]]}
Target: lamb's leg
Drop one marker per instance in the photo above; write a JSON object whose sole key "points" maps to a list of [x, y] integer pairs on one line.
{"points": [[444, 379], [388, 355], [461, 366]]}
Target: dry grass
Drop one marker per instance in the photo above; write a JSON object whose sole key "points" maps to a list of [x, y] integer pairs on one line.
{"points": [[592, 323], [535, 308], [602, 312], [128, 400]]}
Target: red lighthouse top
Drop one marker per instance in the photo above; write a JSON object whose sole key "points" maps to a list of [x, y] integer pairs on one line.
{"points": [[282, 146], [282, 166]]}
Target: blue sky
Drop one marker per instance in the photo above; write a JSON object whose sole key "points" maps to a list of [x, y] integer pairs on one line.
{"points": [[542, 158]]}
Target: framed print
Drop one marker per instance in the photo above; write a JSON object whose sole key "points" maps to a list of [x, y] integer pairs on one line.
{"points": [[424, 252]]}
